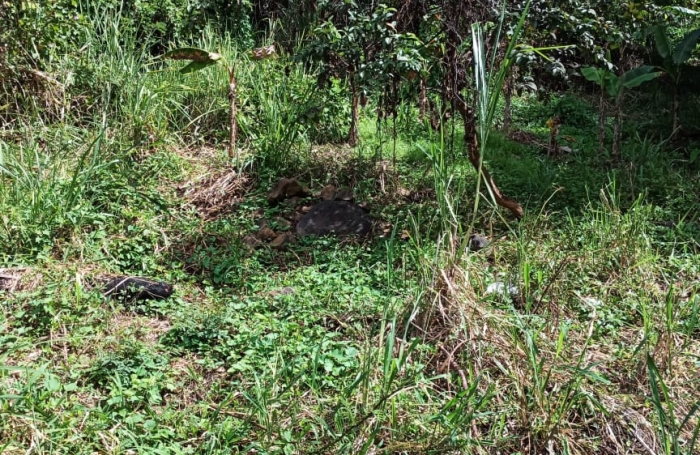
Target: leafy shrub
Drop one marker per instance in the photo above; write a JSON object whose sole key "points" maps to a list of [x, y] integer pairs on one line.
{"points": [[327, 114], [573, 111]]}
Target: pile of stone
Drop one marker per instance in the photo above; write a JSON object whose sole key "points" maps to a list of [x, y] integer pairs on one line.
{"points": [[336, 214]]}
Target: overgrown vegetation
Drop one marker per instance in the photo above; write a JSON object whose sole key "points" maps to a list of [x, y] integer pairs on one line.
{"points": [[575, 330]]}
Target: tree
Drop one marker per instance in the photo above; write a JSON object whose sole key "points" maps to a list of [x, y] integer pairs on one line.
{"points": [[200, 59], [673, 59], [614, 86], [364, 48]]}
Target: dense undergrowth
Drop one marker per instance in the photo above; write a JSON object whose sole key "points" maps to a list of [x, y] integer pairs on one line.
{"points": [[576, 331]]}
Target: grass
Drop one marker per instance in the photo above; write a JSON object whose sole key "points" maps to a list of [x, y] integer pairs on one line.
{"points": [[391, 345]]}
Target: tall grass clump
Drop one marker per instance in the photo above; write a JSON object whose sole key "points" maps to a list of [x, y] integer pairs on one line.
{"points": [[276, 106], [42, 192], [275, 115], [57, 173]]}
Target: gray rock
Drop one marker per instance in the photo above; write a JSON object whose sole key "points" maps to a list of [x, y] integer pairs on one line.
{"points": [[477, 242], [500, 288], [137, 288], [335, 218]]}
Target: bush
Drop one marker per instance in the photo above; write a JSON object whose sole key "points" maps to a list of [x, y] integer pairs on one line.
{"points": [[573, 111]]}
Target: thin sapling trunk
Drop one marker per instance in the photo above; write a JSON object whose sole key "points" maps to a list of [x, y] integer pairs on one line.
{"points": [[508, 95], [423, 98], [676, 107], [601, 124], [471, 141], [617, 120], [352, 136], [232, 99]]}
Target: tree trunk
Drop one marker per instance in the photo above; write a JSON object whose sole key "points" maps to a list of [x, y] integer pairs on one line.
{"points": [[471, 141], [232, 99], [506, 109], [601, 124], [675, 109], [423, 99], [554, 124], [617, 120], [352, 136]]}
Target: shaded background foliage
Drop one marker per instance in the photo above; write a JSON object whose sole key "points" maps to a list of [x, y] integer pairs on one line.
{"points": [[385, 46]]}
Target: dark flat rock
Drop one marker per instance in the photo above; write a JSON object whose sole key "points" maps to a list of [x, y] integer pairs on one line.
{"points": [[335, 218]]}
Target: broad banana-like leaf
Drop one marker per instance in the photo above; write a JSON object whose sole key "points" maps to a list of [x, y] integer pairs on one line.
{"points": [[593, 74], [196, 66], [681, 9], [193, 54], [682, 52], [638, 76], [663, 46], [612, 84], [604, 78]]}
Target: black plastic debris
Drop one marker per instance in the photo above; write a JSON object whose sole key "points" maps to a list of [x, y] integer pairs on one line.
{"points": [[136, 288]]}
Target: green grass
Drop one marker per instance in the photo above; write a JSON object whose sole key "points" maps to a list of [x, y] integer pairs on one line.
{"points": [[391, 345]]}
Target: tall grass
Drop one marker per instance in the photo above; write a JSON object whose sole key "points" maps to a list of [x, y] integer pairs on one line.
{"points": [[59, 178], [42, 190]]}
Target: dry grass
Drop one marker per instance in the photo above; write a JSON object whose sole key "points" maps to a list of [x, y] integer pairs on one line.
{"points": [[211, 186], [18, 279], [557, 386]]}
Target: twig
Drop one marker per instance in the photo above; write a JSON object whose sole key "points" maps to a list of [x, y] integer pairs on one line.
{"points": [[455, 365]]}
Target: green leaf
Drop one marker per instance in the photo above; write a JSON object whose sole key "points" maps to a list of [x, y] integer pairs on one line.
{"points": [[192, 53], [604, 78], [694, 155], [685, 48], [663, 46], [594, 74], [195, 66], [612, 84], [638, 76], [681, 9]]}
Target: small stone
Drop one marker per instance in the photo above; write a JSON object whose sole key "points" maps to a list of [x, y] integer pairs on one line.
{"points": [[402, 192], [280, 240], [592, 301], [344, 194], [500, 288], [287, 290], [477, 242], [328, 193], [251, 241], [265, 234], [286, 188]]}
